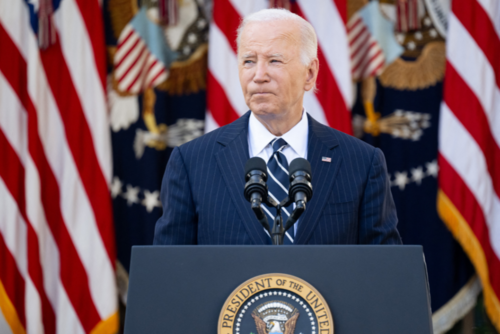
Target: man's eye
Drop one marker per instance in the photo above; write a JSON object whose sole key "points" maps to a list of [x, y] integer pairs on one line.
{"points": [[275, 61], [247, 62]]}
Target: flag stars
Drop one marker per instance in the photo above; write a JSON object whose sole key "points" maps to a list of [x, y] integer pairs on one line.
{"points": [[131, 195], [192, 38], [201, 24], [432, 168], [411, 45], [116, 187], [401, 180], [417, 174], [151, 200]]}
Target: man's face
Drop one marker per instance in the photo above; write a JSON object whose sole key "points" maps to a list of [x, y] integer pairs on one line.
{"points": [[272, 77]]}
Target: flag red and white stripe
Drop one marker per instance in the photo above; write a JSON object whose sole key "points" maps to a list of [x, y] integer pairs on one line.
{"points": [[136, 68], [57, 247], [329, 105], [407, 17], [469, 140], [367, 57], [168, 12]]}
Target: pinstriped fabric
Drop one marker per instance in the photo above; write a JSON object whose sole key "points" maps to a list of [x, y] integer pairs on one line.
{"points": [[202, 192]]}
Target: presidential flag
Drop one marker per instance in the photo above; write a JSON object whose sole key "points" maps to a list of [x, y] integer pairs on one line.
{"points": [[330, 104], [469, 141], [151, 118], [57, 250]]}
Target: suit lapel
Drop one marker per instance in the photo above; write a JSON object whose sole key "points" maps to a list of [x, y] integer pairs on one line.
{"points": [[231, 160], [321, 143]]}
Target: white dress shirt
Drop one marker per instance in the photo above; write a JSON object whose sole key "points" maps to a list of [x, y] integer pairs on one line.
{"points": [[259, 139]]}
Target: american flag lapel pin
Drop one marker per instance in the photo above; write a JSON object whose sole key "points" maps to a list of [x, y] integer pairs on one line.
{"points": [[326, 159]]}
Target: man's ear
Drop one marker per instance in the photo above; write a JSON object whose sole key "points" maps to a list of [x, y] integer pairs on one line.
{"points": [[312, 75]]}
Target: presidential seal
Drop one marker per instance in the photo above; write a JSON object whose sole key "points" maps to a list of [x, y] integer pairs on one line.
{"points": [[275, 304]]}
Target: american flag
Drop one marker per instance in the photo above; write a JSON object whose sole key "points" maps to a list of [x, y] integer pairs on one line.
{"points": [[469, 140], [371, 41], [367, 57], [142, 55], [57, 251], [329, 105]]}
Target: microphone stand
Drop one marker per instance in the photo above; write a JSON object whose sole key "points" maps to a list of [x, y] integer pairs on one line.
{"points": [[278, 232], [256, 188]]}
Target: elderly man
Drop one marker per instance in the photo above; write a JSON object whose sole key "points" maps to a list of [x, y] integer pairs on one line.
{"points": [[202, 190]]}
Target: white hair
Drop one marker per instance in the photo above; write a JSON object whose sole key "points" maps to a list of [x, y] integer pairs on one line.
{"points": [[309, 49]]}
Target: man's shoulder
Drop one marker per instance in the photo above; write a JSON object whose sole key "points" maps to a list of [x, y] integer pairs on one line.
{"points": [[349, 145]]}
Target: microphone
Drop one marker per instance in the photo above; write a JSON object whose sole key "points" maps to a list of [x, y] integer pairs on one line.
{"points": [[300, 190], [255, 178], [300, 181], [256, 188]]}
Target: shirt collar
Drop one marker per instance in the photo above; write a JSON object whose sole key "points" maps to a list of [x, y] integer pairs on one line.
{"points": [[296, 138]]}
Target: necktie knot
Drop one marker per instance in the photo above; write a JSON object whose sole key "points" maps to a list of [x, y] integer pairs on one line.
{"points": [[278, 144]]}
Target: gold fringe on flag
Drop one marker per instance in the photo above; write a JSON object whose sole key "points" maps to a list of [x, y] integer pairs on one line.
{"points": [[457, 307], [188, 76], [10, 313], [425, 71], [107, 326], [465, 236], [121, 12]]}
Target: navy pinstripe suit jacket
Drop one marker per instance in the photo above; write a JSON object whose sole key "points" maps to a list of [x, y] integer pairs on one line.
{"points": [[203, 202]]}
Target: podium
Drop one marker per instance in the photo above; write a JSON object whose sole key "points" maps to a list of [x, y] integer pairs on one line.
{"points": [[369, 289]]}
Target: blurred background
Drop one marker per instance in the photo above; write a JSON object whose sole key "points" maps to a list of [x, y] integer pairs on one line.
{"points": [[95, 94]]}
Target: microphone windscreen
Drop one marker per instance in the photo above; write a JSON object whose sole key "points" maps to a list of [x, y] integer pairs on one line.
{"points": [[255, 163], [299, 164]]}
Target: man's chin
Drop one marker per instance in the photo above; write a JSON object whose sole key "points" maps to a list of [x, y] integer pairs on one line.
{"points": [[263, 110]]}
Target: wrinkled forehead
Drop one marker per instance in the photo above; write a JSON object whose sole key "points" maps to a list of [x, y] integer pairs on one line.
{"points": [[269, 36]]}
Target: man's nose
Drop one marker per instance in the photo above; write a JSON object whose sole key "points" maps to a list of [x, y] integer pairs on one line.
{"points": [[261, 72]]}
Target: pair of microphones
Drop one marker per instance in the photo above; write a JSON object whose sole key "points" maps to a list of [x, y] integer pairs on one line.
{"points": [[299, 192]]}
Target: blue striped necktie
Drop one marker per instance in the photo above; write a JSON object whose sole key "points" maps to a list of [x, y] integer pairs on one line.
{"points": [[278, 183]]}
